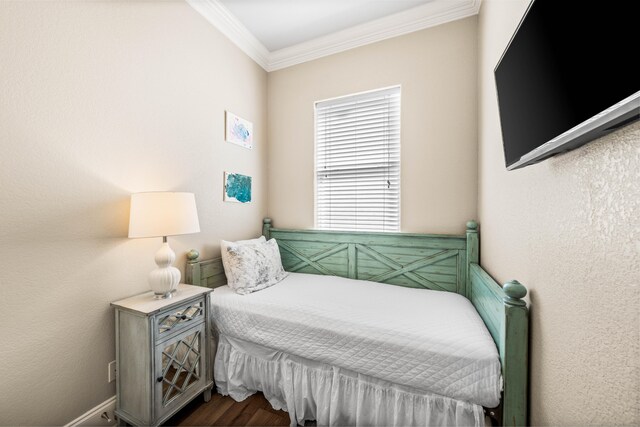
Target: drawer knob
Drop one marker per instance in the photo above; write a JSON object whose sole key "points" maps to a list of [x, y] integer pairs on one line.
{"points": [[159, 379]]}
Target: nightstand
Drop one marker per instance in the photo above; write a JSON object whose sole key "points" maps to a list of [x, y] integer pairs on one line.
{"points": [[162, 354]]}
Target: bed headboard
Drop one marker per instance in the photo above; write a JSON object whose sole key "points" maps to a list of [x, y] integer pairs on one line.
{"points": [[413, 260], [440, 262]]}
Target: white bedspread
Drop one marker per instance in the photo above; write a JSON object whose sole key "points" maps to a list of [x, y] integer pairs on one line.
{"points": [[429, 340]]}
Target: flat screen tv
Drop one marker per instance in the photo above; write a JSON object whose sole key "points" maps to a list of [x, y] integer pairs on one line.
{"points": [[569, 75]]}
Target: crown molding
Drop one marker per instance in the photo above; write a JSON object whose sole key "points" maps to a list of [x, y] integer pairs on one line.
{"points": [[418, 18], [220, 17], [429, 15]]}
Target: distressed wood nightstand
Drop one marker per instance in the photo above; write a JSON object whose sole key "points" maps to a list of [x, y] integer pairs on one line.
{"points": [[162, 354]]}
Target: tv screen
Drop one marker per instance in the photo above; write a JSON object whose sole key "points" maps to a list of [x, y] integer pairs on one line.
{"points": [[568, 66]]}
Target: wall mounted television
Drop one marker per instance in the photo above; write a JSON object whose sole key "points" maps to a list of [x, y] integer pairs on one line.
{"points": [[569, 75]]}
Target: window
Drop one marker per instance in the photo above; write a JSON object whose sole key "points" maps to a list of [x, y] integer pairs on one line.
{"points": [[358, 162]]}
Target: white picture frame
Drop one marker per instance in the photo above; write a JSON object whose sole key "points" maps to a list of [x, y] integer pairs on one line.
{"points": [[238, 131]]}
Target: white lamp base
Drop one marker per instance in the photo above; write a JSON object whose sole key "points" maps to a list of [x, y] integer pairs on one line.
{"points": [[164, 279]]}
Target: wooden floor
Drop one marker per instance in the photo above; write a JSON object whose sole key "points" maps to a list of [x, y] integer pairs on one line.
{"points": [[224, 411]]}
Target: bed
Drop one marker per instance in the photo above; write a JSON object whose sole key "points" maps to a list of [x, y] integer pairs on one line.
{"points": [[334, 342]]}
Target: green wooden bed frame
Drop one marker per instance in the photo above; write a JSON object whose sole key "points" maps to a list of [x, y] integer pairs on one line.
{"points": [[440, 262]]}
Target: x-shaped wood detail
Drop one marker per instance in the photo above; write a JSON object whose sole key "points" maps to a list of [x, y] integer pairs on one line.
{"points": [[398, 269], [312, 260]]}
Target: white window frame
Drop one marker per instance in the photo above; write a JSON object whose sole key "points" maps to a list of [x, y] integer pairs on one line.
{"points": [[363, 95]]}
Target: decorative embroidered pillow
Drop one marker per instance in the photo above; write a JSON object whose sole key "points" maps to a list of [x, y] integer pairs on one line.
{"points": [[254, 267], [224, 244]]}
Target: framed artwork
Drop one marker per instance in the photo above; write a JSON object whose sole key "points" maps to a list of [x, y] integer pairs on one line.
{"points": [[237, 188], [238, 130]]}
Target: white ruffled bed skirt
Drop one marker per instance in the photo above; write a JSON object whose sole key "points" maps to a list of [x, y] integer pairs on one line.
{"points": [[330, 395]]}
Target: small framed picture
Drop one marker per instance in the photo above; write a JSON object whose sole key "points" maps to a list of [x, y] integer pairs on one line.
{"points": [[238, 130], [237, 188]]}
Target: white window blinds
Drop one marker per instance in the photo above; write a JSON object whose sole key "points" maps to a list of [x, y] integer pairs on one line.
{"points": [[358, 162]]}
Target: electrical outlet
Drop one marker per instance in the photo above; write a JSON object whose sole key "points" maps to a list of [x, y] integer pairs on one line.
{"points": [[111, 376]]}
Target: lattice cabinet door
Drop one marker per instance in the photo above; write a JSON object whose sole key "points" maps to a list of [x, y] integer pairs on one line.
{"points": [[179, 364], [162, 355]]}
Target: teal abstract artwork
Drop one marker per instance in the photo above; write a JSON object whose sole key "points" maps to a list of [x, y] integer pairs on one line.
{"points": [[237, 188]]}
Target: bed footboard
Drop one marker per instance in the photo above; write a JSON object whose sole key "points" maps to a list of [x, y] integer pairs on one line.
{"points": [[507, 317]]}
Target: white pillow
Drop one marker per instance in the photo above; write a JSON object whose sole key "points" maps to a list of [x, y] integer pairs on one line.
{"points": [[224, 244], [254, 267]]}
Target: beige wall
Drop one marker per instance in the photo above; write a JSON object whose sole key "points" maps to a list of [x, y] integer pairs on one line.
{"points": [[99, 100], [437, 70], [568, 229]]}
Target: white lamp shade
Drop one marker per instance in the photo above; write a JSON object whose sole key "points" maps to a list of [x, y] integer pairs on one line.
{"points": [[163, 214]]}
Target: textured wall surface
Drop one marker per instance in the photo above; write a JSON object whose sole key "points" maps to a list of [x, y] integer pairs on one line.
{"points": [[99, 100], [569, 229], [437, 70]]}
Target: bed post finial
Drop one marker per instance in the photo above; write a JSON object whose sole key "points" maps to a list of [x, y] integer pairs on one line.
{"points": [[266, 227], [472, 225], [514, 354], [192, 256], [514, 292]]}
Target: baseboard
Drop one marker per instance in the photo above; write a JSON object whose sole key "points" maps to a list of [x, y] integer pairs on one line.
{"points": [[93, 417]]}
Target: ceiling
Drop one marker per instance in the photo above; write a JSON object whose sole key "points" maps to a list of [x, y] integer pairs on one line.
{"points": [[280, 33], [283, 23]]}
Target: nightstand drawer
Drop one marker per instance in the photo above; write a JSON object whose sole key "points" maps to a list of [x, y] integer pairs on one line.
{"points": [[170, 321]]}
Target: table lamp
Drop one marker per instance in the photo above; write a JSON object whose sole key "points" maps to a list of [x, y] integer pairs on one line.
{"points": [[162, 214]]}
